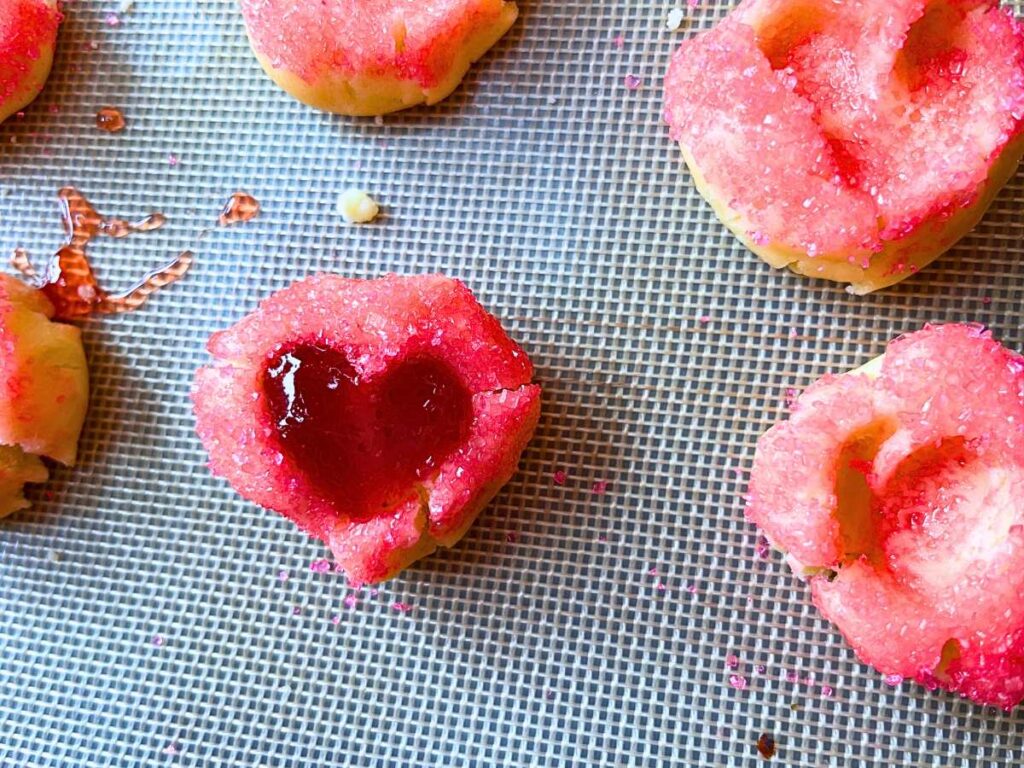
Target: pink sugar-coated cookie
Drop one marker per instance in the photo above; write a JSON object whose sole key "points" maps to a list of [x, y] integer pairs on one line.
{"points": [[854, 141], [28, 36], [898, 491], [371, 57], [379, 415]]}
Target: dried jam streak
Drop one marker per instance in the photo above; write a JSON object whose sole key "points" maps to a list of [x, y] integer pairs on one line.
{"points": [[111, 120], [68, 280], [240, 207], [766, 746]]}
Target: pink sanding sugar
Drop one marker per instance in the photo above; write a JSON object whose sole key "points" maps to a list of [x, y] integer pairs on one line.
{"points": [[739, 682]]}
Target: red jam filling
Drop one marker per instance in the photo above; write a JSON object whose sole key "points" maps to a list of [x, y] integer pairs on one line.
{"points": [[364, 446]]}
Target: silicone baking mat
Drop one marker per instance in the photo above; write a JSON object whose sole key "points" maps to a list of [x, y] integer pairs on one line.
{"points": [[149, 616]]}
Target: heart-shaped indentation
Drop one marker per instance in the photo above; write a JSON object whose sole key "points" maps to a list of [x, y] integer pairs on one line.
{"points": [[363, 445], [896, 489]]}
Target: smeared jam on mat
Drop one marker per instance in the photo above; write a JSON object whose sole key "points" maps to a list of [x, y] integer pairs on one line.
{"points": [[68, 280]]}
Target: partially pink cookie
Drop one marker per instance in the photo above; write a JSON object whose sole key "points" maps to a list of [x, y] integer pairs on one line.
{"points": [[370, 57]]}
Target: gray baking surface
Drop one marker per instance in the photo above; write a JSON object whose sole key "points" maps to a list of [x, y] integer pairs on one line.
{"points": [[543, 639]]}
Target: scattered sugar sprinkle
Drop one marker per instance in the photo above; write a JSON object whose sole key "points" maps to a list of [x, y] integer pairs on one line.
{"points": [[559, 477], [336, 619], [893, 680], [401, 607], [172, 160], [157, 641], [732, 661], [792, 395], [760, 669], [660, 586], [739, 682], [296, 611], [351, 601], [511, 537], [600, 487], [764, 549], [691, 588], [619, 42], [173, 749], [827, 691], [283, 575], [322, 565], [112, 20], [633, 82]]}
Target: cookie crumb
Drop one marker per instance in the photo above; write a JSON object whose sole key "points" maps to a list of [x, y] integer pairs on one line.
{"points": [[357, 207]]}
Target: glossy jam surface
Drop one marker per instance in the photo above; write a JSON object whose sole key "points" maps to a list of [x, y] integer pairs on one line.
{"points": [[68, 279], [364, 446]]}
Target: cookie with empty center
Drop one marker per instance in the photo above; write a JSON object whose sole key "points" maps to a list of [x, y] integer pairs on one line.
{"points": [[853, 141], [897, 490]]}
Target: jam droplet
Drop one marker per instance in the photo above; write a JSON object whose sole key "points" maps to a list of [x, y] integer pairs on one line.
{"points": [[68, 280], [239, 208], [364, 446], [111, 120], [766, 746]]}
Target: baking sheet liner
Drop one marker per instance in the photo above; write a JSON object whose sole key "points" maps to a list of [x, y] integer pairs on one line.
{"points": [[144, 619]]}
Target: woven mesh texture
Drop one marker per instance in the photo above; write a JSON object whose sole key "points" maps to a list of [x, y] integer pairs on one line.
{"points": [[543, 639]]}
